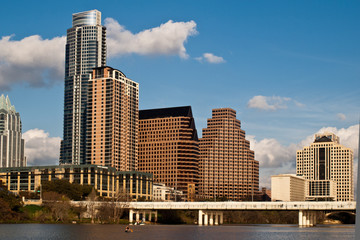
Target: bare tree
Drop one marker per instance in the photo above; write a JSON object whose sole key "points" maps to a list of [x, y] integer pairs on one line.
{"points": [[91, 205], [58, 205]]}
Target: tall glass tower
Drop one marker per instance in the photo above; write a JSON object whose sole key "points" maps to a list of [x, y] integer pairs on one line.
{"points": [[85, 50]]}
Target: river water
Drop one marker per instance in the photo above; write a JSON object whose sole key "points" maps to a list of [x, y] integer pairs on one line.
{"points": [[174, 232]]}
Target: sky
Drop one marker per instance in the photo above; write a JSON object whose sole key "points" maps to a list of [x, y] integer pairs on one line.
{"points": [[289, 68]]}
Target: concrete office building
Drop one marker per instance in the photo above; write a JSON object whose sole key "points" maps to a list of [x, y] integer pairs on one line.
{"points": [[227, 165], [11, 142], [327, 165], [168, 148], [113, 113], [288, 188], [85, 50]]}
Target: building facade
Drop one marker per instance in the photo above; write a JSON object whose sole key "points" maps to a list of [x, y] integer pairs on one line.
{"points": [[11, 142], [227, 165], [106, 180], [162, 193], [113, 113], [168, 148], [85, 50], [288, 188], [328, 167]]}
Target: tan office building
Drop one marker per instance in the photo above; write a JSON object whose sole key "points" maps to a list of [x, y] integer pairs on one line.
{"points": [[112, 120], [328, 167], [288, 188], [168, 148], [106, 180], [227, 165]]}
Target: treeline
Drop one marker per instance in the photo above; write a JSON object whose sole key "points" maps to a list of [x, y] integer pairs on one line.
{"points": [[56, 208]]}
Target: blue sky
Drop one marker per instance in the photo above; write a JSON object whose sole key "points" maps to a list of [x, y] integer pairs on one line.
{"points": [[289, 68]]}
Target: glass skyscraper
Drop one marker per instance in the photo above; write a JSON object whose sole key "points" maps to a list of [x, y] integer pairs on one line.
{"points": [[85, 50]]}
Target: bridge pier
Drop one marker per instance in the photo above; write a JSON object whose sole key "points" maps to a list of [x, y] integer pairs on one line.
{"points": [[307, 218], [210, 218], [143, 214]]}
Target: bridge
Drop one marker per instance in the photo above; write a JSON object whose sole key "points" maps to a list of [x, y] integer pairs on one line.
{"points": [[211, 213]]}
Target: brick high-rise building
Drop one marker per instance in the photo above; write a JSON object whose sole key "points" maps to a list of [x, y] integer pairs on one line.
{"points": [[113, 114], [227, 166], [85, 50], [328, 167], [168, 148]]}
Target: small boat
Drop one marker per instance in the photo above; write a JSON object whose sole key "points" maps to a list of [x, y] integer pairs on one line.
{"points": [[128, 229]]}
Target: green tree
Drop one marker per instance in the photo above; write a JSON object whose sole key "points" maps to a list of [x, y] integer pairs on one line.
{"points": [[73, 191]]}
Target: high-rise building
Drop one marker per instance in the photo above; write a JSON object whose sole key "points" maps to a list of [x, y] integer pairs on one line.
{"points": [[113, 115], [328, 167], [227, 166], [85, 50], [168, 148], [11, 142]]}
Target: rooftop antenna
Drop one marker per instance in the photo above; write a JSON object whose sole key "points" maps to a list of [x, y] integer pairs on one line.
{"points": [[357, 220]]}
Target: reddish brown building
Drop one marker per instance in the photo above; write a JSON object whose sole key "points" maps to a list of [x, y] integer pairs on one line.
{"points": [[168, 148], [227, 166], [112, 120]]}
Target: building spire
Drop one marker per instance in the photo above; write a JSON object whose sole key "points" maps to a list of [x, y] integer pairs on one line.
{"points": [[6, 104]]}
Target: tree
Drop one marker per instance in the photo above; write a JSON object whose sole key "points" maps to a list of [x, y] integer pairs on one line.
{"points": [[91, 208], [59, 206], [73, 191]]}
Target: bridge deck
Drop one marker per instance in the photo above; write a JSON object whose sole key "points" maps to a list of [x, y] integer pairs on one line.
{"points": [[243, 205]]}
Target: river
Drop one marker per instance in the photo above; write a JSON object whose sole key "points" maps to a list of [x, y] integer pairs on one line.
{"points": [[174, 232]]}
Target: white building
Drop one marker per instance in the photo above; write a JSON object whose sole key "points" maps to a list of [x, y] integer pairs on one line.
{"points": [[162, 193], [328, 167], [11, 142], [288, 188]]}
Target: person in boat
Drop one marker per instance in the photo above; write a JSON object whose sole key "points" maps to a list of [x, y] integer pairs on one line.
{"points": [[127, 229]]}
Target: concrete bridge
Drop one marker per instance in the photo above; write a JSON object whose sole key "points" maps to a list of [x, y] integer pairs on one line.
{"points": [[211, 213]]}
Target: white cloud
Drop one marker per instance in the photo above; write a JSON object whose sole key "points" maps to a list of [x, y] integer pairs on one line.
{"points": [[210, 58], [275, 158], [268, 103], [167, 39], [39, 62], [32, 60], [40, 148], [341, 116]]}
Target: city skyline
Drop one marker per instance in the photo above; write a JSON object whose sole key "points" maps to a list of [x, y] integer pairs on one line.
{"points": [[288, 69]]}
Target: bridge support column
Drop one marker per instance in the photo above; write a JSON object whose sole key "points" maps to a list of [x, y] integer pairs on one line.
{"points": [[217, 215], [150, 216], [131, 215], [143, 216], [156, 215], [307, 218], [200, 219], [211, 220], [137, 216], [314, 218]]}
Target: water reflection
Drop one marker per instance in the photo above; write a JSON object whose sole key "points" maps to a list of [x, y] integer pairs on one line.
{"points": [[174, 232]]}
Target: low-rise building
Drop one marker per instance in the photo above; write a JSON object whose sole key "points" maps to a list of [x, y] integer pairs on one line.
{"points": [[106, 180], [288, 188], [163, 193]]}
